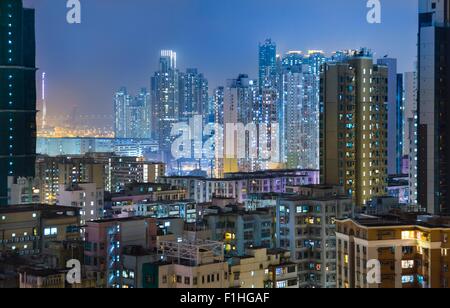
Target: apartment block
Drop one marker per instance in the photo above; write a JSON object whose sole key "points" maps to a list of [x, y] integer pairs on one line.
{"points": [[353, 126], [262, 268], [240, 185], [189, 264], [104, 243], [306, 225], [28, 230], [240, 230], [413, 251], [85, 196]]}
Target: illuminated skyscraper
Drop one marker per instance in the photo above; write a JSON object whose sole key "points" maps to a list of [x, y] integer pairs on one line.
{"points": [[240, 107], [292, 102], [353, 126], [300, 116], [193, 94], [17, 93], [310, 109], [132, 115], [121, 102], [267, 64], [165, 100], [433, 105]]}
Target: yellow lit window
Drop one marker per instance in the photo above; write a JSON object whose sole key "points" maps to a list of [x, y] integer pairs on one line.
{"points": [[346, 259], [408, 235], [407, 264]]}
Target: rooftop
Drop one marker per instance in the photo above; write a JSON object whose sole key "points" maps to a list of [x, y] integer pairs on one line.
{"points": [[40, 272], [47, 210], [404, 219]]}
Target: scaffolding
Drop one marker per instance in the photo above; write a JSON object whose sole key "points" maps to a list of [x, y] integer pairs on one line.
{"points": [[190, 251]]}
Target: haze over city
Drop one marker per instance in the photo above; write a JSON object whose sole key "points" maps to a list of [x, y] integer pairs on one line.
{"points": [[225, 144], [118, 44]]}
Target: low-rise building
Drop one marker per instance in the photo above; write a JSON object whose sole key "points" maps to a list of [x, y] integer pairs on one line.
{"points": [[140, 193], [239, 185], [29, 229], [85, 196], [23, 190], [189, 264], [412, 251], [263, 268], [133, 269], [31, 278], [240, 230], [283, 273], [105, 239]]}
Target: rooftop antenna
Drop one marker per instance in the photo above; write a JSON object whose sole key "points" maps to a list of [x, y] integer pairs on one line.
{"points": [[44, 103]]}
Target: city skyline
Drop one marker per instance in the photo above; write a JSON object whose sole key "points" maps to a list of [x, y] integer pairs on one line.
{"points": [[322, 163], [220, 50]]}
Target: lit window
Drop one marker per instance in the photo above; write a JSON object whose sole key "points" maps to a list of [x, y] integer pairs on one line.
{"points": [[50, 231], [407, 264], [408, 235], [407, 279]]}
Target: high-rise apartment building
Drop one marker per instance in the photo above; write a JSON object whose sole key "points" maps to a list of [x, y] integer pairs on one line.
{"points": [[395, 115], [132, 115], [17, 93], [219, 97], [410, 136], [433, 101], [292, 102], [267, 64], [165, 100], [241, 107], [353, 126], [121, 102], [193, 94], [299, 119]]}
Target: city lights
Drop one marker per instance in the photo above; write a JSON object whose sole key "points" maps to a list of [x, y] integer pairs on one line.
{"points": [[223, 151]]}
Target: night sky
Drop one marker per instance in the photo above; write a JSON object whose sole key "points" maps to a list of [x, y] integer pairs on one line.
{"points": [[118, 42]]}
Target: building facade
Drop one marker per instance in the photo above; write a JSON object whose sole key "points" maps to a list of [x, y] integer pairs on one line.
{"points": [[17, 93], [433, 98], [413, 253], [353, 126], [306, 225]]}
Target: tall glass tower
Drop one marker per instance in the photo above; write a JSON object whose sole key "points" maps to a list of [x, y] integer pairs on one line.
{"points": [[17, 93], [267, 64], [433, 105], [165, 101]]}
